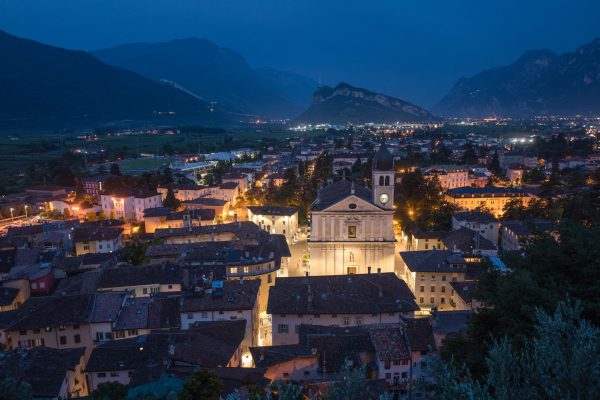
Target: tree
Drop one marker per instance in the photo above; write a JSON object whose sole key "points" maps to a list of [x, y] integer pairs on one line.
{"points": [[202, 384], [170, 200], [110, 391], [561, 361], [79, 189], [514, 209], [495, 164], [548, 272], [469, 156], [135, 252], [10, 389], [534, 175], [115, 169]]}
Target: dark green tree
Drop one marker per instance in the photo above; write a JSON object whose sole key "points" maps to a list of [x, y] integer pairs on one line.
{"points": [[115, 169], [79, 189], [110, 391], [170, 200], [10, 389], [495, 164], [469, 156], [560, 361], [202, 384]]}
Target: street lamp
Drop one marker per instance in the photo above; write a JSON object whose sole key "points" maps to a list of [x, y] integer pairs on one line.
{"points": [[26, 207], [11, 213]]}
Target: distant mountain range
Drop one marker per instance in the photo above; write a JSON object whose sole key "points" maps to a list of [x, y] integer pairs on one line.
{"points": [[44, 83], [348, 104], [215, 74], [538, 83]]}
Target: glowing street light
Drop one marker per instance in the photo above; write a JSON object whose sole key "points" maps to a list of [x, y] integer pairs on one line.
{"points": [[26, 207], [12, 215]]}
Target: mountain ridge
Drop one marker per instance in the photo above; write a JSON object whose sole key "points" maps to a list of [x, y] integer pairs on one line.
{"points": [[345, 103], [39, 81], [212, 72], [539, 82]]}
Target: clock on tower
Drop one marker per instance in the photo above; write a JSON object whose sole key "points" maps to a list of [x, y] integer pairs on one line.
{"points": [[383, 178]]}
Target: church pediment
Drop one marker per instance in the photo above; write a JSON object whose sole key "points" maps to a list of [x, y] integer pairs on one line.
{"points": [[352, 203]]}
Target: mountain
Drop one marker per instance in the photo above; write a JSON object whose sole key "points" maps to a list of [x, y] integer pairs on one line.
{"points": [[215, 74], [41, 83], [347, 104], [294, 87], [540, 82]]}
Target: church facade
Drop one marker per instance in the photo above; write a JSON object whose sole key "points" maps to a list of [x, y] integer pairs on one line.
{"points": [[352, 226]]}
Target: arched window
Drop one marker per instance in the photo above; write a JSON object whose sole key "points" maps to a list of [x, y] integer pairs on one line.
{"points": [[387, 181], [381, 181]]}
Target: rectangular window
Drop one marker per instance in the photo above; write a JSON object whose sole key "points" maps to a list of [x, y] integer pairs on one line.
{"points": [[351, 231], [63, 340], [145, 290], [444, 277], [283, 328], [233, 270], [433, 289], [443, 300], [346, 321], [101, 374], [432, 300], [387, 364], [204, 314], [421, 300], [358, 320], [114, 373], [77, 338], [190, 316], [422, 288]]}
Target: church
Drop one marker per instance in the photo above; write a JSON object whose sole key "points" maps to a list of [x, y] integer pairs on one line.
{"points": [[351, 228]]}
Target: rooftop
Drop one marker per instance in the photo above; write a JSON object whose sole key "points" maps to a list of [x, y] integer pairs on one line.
{"points": [[272, 210], [337, 191], [475, 216], [347, 294], [433, 261], [235, 295]]}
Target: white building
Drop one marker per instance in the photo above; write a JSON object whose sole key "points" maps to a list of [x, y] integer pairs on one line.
{"points": [[484, 223], [276, 220], [352, 227], [129, 206]]}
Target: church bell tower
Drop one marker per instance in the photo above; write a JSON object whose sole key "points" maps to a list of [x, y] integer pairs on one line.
{"points": [[383, 178]]}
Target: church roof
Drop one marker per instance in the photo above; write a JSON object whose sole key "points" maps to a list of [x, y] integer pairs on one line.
{"points": [[338, 191], [383, 160]]}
